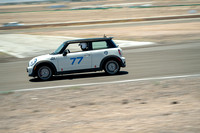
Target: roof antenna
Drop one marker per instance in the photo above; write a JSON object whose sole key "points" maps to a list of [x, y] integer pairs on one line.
{"points": [[105, 36]]}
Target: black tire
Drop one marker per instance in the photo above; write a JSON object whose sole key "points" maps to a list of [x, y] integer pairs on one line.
{"points": [[44, 73], [111, 67]]}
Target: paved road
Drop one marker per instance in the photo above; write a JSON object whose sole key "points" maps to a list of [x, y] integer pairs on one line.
{"points": [[179, 59]]}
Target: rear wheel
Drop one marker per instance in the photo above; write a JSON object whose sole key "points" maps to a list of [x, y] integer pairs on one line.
{"points": [[112, 67], [44, 73]]}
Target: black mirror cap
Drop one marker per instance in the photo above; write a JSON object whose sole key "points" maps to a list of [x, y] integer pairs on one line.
{"points": [[64, 53]]}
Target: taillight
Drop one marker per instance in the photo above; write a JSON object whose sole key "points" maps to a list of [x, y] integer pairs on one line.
{"points": [[120, 52]]}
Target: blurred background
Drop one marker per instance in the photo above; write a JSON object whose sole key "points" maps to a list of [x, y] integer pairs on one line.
{"points": [[159, 38], [49, 17]]}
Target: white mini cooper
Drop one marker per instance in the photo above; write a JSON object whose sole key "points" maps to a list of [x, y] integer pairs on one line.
{"points": [[82, 55]]}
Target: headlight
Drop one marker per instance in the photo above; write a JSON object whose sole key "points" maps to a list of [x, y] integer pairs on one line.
{"points": [[32, 62]]}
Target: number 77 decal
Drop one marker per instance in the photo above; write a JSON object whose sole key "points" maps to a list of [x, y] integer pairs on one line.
{"points": [[80, 59], [74, 59]]}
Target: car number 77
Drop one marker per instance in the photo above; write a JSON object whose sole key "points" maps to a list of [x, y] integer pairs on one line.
{"points": [[77, 58]]}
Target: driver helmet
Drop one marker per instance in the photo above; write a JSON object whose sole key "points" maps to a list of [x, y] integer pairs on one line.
{"points": [[83, 45]]}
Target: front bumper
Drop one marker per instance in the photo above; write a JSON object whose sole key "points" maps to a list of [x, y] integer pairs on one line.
{"points": [[30, 71], [123, 62]]}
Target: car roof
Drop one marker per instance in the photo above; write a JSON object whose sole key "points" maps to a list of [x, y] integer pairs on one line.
{"points": [[88, 40]]}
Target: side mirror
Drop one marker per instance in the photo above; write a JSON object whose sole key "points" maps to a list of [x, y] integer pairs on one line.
{"points": [[66, 52]]}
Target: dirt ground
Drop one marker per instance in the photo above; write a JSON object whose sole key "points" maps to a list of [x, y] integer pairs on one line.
{"points": [[36, 14], [160, 33], [157, 106]]}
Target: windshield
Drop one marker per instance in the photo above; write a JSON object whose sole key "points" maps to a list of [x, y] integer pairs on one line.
{"points": [[57, 51]]}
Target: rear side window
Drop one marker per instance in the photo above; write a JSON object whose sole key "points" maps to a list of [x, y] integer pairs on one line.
{"points": [[99, 45]]}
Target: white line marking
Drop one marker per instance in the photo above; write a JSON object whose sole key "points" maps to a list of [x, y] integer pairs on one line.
{"points": [[112, 82]]}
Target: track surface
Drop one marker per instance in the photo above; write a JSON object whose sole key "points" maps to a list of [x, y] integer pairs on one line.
{"points": [[166, 60], [180, 59]]}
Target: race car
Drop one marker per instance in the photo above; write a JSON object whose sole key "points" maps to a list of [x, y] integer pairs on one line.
{"points": [[77, 56]]}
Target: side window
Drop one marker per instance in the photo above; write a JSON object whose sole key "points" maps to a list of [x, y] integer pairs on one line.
{"points": [[99, 45], [78, 47], [74, 47]]}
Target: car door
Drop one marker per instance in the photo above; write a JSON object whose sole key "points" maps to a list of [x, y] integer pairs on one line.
{"points": [[74, 61]]}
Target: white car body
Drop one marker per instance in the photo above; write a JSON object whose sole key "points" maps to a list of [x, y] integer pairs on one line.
{"points": [[100, 51]]}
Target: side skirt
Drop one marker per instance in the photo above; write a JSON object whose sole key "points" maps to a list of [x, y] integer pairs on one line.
{"points": [[79, 71]]}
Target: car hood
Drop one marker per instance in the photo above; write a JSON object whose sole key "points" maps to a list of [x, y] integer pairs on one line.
{"points": [[35, 60]]}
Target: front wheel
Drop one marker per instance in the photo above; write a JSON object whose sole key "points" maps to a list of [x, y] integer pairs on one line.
{"points": [[111, 67], [44, 73]]}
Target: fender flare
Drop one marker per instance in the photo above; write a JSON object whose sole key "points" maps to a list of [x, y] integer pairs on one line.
{"points": [[42, 63], [110, 57]]}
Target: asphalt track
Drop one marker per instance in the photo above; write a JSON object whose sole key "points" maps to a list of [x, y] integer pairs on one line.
{"points": [[158, 61]]}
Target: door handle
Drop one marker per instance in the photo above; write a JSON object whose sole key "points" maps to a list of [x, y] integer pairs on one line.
{"points": [[86, 55]]}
